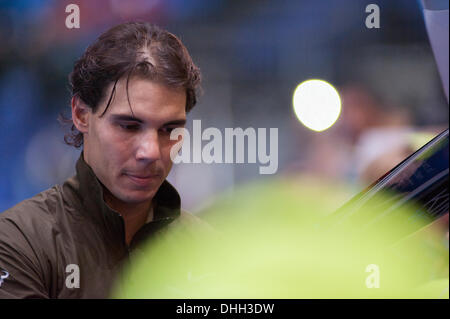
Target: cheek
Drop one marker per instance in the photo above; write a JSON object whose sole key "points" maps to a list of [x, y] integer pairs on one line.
{"points": [[112, 146], [165, 152]]}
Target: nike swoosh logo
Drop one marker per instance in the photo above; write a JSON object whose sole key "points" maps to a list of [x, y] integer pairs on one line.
{"points": [[3, 275]]}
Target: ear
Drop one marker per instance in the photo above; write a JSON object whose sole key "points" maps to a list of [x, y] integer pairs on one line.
{"points": [[80, 114]]}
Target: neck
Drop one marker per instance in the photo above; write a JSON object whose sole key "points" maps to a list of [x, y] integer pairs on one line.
{"points": [[134, 215]]}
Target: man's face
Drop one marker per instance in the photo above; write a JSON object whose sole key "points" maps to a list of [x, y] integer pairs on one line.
{"points": [[130, 152]]}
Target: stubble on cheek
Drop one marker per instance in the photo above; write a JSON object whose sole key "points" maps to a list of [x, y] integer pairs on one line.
{"points": [[111, 152]]}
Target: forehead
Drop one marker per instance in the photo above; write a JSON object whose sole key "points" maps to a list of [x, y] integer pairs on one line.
{"points": [[146, 100]]}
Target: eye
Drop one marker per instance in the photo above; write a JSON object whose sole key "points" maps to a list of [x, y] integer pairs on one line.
{"points": [[129, 127], [167, 129]]}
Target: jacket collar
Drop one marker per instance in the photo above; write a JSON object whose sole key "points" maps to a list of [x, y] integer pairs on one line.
{"points": [[88, 193]]}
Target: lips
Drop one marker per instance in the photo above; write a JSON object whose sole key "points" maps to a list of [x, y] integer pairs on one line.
{"points": [[143, 180]]}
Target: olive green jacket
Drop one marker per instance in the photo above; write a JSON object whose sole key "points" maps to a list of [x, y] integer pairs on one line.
{"points": [[67, 243]]}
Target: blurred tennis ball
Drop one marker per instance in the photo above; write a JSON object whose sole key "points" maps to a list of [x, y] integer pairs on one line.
{"points": [[270, 242]]}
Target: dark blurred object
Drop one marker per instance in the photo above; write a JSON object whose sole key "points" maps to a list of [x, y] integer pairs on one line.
{"points": [[421, 180]]}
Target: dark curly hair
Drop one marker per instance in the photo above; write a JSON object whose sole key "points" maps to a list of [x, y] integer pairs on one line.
{"points": [[133, 48]]}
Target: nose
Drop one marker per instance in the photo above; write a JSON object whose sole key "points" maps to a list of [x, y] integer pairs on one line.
{"points": [[148, 147]]}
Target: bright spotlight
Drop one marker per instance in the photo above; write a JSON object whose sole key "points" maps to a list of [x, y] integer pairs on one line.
{"points": [[316, 104]]}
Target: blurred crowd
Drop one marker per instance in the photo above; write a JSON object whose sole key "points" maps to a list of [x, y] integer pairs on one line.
{"points": [[252, 55]]}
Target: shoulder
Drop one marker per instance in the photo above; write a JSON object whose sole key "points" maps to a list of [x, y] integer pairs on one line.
{"points": [[40, 207], [27, 226]]}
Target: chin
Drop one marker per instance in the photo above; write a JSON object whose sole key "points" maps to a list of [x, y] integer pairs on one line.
{"points": [[136, 197]]}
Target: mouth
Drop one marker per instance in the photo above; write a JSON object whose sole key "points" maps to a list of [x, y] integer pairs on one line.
{"points": [[143, 180]]}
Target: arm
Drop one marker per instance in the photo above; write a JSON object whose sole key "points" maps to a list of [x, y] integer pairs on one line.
{"points": [[20, 273]]}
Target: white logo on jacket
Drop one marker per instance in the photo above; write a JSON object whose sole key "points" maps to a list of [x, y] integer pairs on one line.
{"points": [[3, 275]]}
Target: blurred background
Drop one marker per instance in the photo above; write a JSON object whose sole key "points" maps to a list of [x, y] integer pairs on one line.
{"points": [[252, 54]]}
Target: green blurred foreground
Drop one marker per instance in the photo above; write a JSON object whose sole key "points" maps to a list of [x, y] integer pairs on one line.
{"points": [[269, 241]]}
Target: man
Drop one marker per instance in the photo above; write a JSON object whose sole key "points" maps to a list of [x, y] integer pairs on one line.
{"points": [[130, 89]]}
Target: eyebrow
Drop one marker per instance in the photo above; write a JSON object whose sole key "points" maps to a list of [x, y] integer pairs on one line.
{"points": [[129, 118], [120, 117]]}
